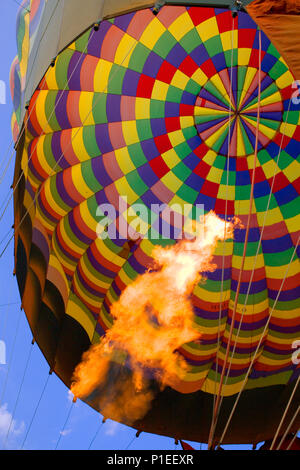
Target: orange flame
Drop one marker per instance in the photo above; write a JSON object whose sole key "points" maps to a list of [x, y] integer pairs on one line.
{"points": [[153, 318]]}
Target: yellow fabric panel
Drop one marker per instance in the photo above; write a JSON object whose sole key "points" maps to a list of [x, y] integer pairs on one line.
{"points": [[79, 313]]}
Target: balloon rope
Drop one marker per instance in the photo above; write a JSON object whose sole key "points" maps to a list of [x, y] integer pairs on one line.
{"points": [[285, 413], [226, 207], [37, 49], [96, 435], [11, 356], [6, 168], [22, 6], [18, 397], [9, 304], [276, 166], [4, 321], [131, 442], [259, 343], [38, 193], [288, 428], [52, 173], [22, 131], [35, 411], [64, 426], [217, 405], [293, 440], [24, 126], [42, 133], [258, 248], [48, 119]]}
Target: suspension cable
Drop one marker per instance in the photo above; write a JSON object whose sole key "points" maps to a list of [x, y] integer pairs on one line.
{"points": [[288, 428], [259, 343], [285, 413], [48, 119], [20, 5], [130, 443], [251, 202], [65, 425], [293, 440], [35, 411], [95, 435], [258, 247], [18, 395], [7, 310], [226, 207], [52, 173], [22, 130], [276, 165], [11, 356]]}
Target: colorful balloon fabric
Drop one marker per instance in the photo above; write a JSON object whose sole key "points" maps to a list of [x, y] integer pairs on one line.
{"points": [[28, 20], [163, 110]]}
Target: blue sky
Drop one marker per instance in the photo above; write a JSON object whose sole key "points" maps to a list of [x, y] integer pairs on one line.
{"points": [[19, 395]]}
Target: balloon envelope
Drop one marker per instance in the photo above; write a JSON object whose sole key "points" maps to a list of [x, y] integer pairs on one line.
{"points": [[139, 110]]}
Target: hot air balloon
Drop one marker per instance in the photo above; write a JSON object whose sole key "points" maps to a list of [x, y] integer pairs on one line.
{"points": [[177, 103]]}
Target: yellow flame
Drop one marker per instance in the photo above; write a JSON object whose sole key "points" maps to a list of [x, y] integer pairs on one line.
{"points": [[153, 318]]}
